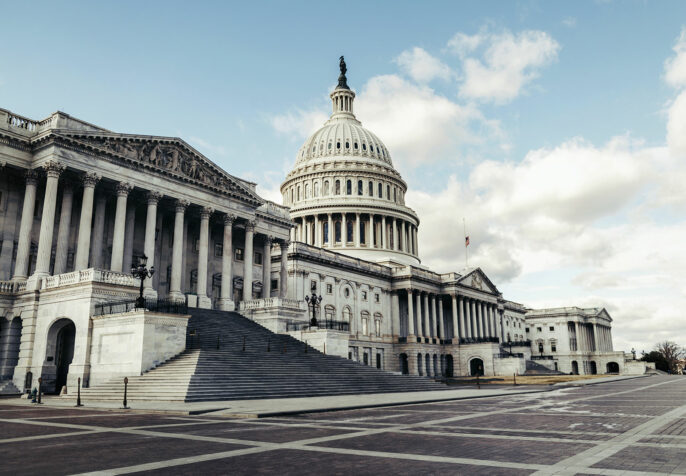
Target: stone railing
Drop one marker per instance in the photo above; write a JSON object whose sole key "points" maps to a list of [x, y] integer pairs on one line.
{"points": [[268, 303], [8, 287], [89, 275], [16, 121]]}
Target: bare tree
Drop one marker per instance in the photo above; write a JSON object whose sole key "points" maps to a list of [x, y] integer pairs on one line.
{"points": [[671, 352]]}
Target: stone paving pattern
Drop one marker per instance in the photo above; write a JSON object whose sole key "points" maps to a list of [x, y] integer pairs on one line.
{"points": [[627, 427]]}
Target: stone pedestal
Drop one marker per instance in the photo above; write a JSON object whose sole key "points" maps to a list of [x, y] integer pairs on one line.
{"points": [[329, 341]]}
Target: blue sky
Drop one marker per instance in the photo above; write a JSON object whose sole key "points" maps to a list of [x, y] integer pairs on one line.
{"points": [[545, 124]]}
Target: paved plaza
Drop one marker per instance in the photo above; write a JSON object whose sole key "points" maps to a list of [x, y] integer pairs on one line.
{"points": [[625, 427]]}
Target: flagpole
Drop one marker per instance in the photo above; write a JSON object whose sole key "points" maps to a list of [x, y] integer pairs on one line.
{"points": [[466, 248]]}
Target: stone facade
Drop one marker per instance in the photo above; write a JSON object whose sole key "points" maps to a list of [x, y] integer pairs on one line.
{"points": [[80, 205]]}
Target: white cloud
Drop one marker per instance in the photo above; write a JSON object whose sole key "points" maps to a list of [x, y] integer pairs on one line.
{"points": [[569, 22], [675, 67], [421, 66], [207, 147], [508, 63], [417, 124], [299, 124]]}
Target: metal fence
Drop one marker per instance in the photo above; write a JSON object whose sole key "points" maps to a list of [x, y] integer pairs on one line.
{"points": [[166, 306]]}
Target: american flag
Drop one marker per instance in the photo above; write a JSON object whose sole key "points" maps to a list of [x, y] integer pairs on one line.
{"points": [[466, 241]]}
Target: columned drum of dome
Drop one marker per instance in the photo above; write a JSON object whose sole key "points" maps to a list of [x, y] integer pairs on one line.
{"points": [[345, 194]]}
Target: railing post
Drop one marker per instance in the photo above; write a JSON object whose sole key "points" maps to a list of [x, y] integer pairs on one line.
{"points": [[126, 383], [40, 388], [78, 393]]}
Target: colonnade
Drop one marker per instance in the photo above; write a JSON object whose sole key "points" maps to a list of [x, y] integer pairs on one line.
{"points": [[91, 236], [593, 337], [472, 319], [358, 230]]}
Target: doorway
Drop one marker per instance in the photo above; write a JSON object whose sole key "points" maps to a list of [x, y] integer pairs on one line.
{"points": [[476, 367]]}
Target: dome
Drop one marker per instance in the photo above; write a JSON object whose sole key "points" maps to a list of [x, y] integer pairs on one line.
{"points": [[344, 193]]}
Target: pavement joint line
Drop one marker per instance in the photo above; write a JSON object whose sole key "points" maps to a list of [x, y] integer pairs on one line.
{"points": [[304, 444], [582, 414], [45, 437], [545, 430], [605, 448], [497, 437]]}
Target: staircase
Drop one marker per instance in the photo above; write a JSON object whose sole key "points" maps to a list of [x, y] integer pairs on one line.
{"points": [[8, 389], [217, 366], [534, 368]]}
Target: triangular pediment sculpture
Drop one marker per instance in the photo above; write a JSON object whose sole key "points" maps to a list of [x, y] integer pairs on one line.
{"points": [[477, 279], [166, 155]]}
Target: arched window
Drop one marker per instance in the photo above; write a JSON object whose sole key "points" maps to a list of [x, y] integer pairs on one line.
{"points": [[326, 188], [338, 187], [540, 347], [347, 314], [380, 190], [298, 192], [349, 234], [395, 195], [355, 145], [329, 312], [388, 192], [316, 189], [363, 240], [360, 188], [377, 324], [364, 146], [307, 190], [365, 323], [349, 187], [291, 194], [419, 364], [338, 232], [370, 190], [347, 145], [338, 145], [329, 146]]}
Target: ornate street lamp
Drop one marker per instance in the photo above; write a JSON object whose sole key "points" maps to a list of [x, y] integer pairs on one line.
{"points": [[313, 301], [141, 272]]}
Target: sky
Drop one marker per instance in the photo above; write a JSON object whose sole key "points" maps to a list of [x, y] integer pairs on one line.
{"points": [[555, 130]]}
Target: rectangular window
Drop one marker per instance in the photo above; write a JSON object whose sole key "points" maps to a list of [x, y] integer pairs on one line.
{"points": [[527, 329], [218, 250], [258, 257], [552, 328], [553, 347], [238, 254], [364, 295], [275, 284], [329, 289], [380, 191], [377, 328], [313, 285], [365, 328], [376, 297], [539, 329], [359, 187]]}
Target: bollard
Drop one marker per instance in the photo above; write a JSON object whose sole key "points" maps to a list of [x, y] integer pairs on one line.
{"points": [[126, 383], [478, 385], [78, 393], [515, 379], [324, 348], [243, 343], [40, 388]]}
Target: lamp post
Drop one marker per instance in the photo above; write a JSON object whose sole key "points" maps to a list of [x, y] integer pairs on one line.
{"points": [[509, 342], [633, 351], [141, 272], [313, 301]]}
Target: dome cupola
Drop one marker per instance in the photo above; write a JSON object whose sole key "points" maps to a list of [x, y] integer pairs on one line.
{"points": [[344, 192]]}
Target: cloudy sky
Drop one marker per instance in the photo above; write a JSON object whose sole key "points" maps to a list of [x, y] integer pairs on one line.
{"points": [[556, 130]]}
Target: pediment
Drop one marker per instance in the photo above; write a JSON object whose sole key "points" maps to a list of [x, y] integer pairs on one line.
{"points": [[603, 314], [477, 279], [168, 156]]}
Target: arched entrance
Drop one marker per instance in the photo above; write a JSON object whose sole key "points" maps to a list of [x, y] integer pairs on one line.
{"points": [[436, 371], [428, 365], [58, 355], [575, 367], [420, 363], [404, 369], [476, 367], [449, 372], [10, 340], [612, 368], [594, 368]]}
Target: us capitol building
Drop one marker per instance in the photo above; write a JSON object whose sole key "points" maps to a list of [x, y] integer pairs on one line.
{"points": [[80, 205]]}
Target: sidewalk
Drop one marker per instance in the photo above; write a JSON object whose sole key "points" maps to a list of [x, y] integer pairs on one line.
{"points": [[290, 406]]}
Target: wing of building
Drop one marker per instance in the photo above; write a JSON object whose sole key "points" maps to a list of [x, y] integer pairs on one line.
{"points": [[81, 205]]}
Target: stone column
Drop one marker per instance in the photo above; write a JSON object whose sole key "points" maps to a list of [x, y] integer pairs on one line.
{"points": [[384, 237], [416, 242], [472, 320], [62, 249], [461, 314], [434, 320], [149, 243], [418, 302], [356, 235], [123, 190], [596, 340], [175, 292], [84, 241], [98, 231], [226, 299], [203, 252], [283, 274], [456, 327], [247, 261], [47, 222], [21, 267], [441, 323], [128, 236], [331, 237], [267, 265], [487, 319], [317, 235], [395, 311], [427, 317], [405, 248], [410, 315], [344, 230]]}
